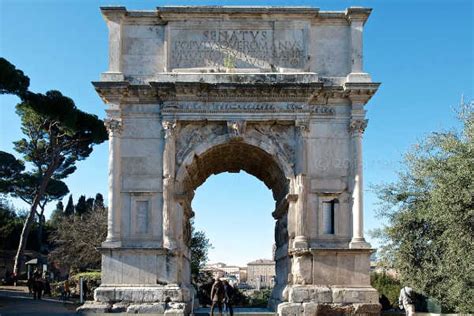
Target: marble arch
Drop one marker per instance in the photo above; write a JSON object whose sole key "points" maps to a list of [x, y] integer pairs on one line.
{"points": [[277, 91]]}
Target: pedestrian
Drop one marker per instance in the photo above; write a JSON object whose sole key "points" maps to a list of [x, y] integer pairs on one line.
{"points": [[85, 289], [37, 285], [217, 296], [406, 300], [29, 283], [47, 285], [67, 290], [228, 299]]}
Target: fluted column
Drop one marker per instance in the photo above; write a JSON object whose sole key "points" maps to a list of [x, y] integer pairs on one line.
{"points": [[357, 128], [169, 152], [300, 185], [114, 127]]}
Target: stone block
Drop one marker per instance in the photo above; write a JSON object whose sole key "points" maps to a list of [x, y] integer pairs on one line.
{"points": [[367, 309], [335, 309], [104, 294], [321, 294], [354, 295], [302, 267], [119, 307], [175, 309], [90, 307], [310, 309], [155, 308], [299, 294], [290, 309]]}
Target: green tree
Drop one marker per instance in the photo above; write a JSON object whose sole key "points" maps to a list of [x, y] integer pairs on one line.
{"points": [[57, 135], [57, 214], [76, 240], [69, 207], [11, 169], [99, 202], [24, 186], [387, 286], [199, 247], [430, 211], [81, 206], [12, 80]]}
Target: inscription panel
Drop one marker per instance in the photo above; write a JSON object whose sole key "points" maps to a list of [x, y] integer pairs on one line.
{"points": [[264, 46]]}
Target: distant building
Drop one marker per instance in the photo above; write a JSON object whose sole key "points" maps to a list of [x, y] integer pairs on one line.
{"points": [[221, 270], [261, 273], [243, 274]]}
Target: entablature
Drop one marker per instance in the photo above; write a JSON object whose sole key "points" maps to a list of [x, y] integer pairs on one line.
{"points": [[234, 96]]}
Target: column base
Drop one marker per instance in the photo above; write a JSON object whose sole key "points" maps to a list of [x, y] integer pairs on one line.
{"points": [[146, 299], [300, 242], [359, 243], [313, 308], [334, 300]]}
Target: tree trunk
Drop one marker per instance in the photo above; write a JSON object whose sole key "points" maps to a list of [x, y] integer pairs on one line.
{"points": [[29, 220], [41, 221]]}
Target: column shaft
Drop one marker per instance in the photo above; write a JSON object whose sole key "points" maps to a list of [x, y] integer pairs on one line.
{"points": [[169, 220], [358, 240], [300, 184], [114, 208]]}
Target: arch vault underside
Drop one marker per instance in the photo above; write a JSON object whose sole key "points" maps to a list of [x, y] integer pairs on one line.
{"points": [[288, 118]]}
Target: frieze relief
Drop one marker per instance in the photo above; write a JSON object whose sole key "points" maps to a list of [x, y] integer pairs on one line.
{"points": [[218, 107]]}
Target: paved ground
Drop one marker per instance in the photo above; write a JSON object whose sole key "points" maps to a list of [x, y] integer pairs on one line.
{"points": [[19, 306], [17, 301]]}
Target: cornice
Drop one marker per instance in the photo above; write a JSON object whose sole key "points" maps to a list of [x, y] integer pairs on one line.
{"points": [[161, 15], [312, 93]]}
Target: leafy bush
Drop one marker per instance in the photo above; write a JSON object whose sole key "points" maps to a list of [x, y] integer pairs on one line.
{"points": [[386, 286], [260, 298]]}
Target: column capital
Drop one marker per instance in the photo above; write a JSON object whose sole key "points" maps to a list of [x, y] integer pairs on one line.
{"points": [[302, 127], [113, 126], [169, 127], [358, 126]]}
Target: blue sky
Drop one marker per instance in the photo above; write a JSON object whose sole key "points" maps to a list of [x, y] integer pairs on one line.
{"points": [[421, 51]]}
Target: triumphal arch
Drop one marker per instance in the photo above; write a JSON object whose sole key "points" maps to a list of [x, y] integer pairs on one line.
{"points": [[278, 92]]}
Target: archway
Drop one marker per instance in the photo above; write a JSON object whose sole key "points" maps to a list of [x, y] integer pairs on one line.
{"points": [[235, 156], [179, 112]]}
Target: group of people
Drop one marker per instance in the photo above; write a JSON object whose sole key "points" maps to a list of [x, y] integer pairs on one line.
{"points": [[38, 285], [222, 294]]}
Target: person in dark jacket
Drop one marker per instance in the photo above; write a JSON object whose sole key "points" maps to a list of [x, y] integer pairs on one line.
{"points": [[228, 298], [37, 285], [217, 296]]}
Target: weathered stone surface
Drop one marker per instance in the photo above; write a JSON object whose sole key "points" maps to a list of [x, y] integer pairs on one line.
{"points": [[156, 308], [310, 309], [367, 309], [119, 307], [290, 309], [90, 307], [276, 92]]}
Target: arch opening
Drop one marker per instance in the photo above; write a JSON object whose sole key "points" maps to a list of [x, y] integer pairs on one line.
{"points": [[234, 156]]}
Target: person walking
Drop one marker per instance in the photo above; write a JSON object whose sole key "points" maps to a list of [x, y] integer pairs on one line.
{"points": [[406, 300], [229, 294], [37, 285], [217, 296]]}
